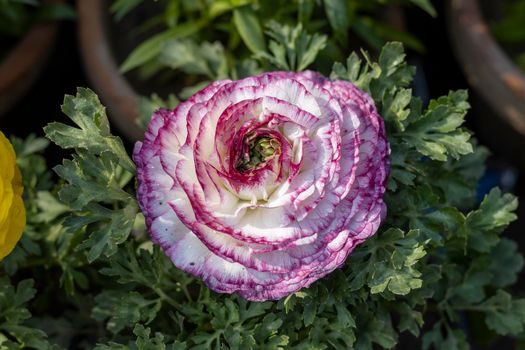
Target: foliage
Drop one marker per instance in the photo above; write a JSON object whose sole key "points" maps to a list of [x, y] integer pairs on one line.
{"points": [[16, 16], [244, 19], [509, 30], [201, 41], [13, 312], [437, 257]]}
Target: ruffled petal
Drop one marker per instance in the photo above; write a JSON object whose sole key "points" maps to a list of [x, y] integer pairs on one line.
{"points": [[264, 222]]}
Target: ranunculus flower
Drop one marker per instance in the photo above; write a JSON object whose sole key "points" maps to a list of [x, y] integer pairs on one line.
{"points": [[12, 211], [263, 185]]}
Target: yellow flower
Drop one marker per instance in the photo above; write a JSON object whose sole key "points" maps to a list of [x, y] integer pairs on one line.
{"points": [[12, 211]]}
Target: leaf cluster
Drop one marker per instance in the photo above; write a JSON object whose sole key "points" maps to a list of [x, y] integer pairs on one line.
{"points": [[243, 21], [196, 42], [17, 16], [14, 334], [438, 256]]}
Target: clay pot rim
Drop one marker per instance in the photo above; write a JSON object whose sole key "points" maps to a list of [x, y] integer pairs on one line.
{"points": [[487, 66], [103, 72]]}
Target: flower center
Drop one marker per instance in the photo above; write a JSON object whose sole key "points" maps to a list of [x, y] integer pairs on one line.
{"points": [[257, 150]]}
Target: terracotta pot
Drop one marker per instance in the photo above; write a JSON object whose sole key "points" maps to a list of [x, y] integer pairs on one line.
{"points": [[113, 88], [488, 68], [22, 65]]}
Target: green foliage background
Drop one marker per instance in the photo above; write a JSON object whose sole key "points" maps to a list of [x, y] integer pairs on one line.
{"points": [[18, 16], [510, 31], [190, 43], [96, 280]]}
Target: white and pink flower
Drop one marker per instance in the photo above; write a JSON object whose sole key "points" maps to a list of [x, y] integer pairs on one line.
{"points": [[263, 185]]}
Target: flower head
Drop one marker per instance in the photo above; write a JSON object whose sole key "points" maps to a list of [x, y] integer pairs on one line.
{"points": [[263, 185], [12, 211]]}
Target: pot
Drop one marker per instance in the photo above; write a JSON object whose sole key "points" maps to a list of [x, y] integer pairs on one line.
{"points": [[489, 71], [102, 69]]}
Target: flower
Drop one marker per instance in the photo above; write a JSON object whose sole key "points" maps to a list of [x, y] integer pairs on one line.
{"points": [[12, 211], [263, 185]]}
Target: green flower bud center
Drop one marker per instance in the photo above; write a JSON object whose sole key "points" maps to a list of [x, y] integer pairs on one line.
{"points": [[260, 150]]}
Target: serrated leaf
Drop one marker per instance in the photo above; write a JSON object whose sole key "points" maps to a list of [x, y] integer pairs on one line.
{"points": [[93, 134], [91, 178], [14, 313], [495, 213], [292, 48], [389, 263], [505, 263], [437, 133], [123, 309], [503, 314], [309, 313], [410, 319], [453, 339]]}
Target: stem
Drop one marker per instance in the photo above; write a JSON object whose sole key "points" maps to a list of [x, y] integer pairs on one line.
{"points": [[166, 297], [472, 308], [186, 292]]}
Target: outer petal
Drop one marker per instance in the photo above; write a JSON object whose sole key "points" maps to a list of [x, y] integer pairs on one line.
{"points": [[12, 210]]}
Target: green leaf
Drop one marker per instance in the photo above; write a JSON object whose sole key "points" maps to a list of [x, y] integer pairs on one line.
{"points": [[122, 7], [448, 221], [144, 341], [472, 287], [269, 327], [505, 263], [247, 23], [397, 107], [437, 134], [388, 263], [49, 207], [495, 213], [93, 134], [305, 10], [123, 310], [147, 106], [206, 59], [426, 5], [364, 29], [453, 339], [503, 314], [109, 228], [393, 70], [376, 327], [386, 76], [245, 68], [95, 177], [292, 48], [91, 178], [150, 49], [14, 333], [410, 319], [309, 313], [337, 14]]}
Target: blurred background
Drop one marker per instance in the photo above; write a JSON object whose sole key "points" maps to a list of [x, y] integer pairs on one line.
{"points": [[443, 48]]}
